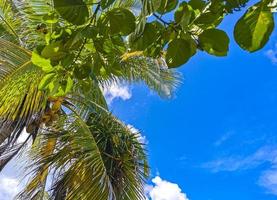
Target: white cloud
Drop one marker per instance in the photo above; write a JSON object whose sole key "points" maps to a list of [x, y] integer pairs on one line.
{"points": [[12, 178], [268, 180], [164, 190], [272, 54], [141, 138], [116, 90], [23, 136], [9, 187]]}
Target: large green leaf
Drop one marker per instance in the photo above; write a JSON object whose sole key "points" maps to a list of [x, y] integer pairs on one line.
{"points": [[156, 4], [43, 63], [148, 37], [46, 80], [209, 19], [83, 71], [74, 11], [197, 4], [121, 21], [167, 6], [54, 51], [232, 5], [215, 42], [253, 30], [184, 14], [106, 3], [179, 52]]}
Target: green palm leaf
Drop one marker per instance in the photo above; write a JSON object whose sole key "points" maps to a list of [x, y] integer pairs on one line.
{"points": [[95, 157], [31, 13], [124, 156], [9, 20], [21, 103], [154, 73], [85, 175]]}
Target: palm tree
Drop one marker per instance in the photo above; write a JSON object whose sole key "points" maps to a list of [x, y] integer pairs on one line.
{"points": [[77, 144]]}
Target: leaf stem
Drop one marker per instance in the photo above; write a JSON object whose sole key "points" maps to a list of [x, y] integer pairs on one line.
{"points": [[161, 19], [165, 22]]}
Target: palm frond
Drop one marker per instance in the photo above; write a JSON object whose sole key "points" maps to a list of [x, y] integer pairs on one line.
{"points": [[36, 188], [9, 20], [95, 157], [153, 72], [76, 151], [4, 34], [33, 11], [31, 14], [9, 151], [92, 97], [123, 154], [21, 103]]}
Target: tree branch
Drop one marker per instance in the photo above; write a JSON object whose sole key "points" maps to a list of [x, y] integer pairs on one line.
{"points": [[160, 18]]}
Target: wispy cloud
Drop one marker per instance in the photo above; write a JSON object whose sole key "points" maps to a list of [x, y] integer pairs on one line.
{"points": [[241, 162], [115, 91], [264, 155], [223, 138], [164, 190], [268, 180], [272, 54]]}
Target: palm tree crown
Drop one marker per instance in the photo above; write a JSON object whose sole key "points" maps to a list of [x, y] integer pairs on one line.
{"points": [[52, 72]]}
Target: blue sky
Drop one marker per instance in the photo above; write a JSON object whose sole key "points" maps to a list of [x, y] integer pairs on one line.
{"points": [[216, 138]]}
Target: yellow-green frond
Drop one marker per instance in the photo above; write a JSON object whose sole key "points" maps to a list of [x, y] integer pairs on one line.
{"points": [[21, 103], [9, 20]]}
